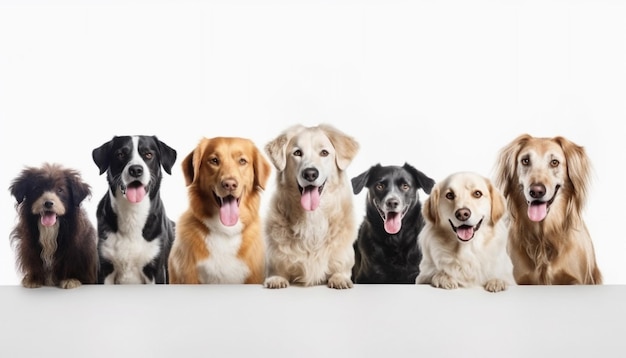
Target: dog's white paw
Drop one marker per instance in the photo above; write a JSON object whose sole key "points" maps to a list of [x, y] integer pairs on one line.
{"points": [[339, 282], [28, 282], [69, 283], [443, 280], [495, 285], [276, 282]]}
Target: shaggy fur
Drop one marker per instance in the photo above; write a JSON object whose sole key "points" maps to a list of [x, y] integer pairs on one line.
{"points": [[386, 250], [310, 225], [55, 241], [465, 236], [545, 181], [218, 238]]}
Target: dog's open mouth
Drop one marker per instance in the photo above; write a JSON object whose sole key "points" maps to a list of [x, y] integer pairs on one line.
{"points": [[229, 209], [48, 218], [310, 196], [465, 232], [134, 192], [392, 219], [538, 210]]}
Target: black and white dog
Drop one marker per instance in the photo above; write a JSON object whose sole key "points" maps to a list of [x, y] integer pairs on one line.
{"points": [[134, 233], [386, 249]]}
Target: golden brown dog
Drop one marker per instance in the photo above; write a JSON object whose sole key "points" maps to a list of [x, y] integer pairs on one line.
{"points": [[545, 181], [310, 226], [218, 238]]}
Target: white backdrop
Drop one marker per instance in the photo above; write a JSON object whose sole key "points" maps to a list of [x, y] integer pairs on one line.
{"points": [[441, 85]]}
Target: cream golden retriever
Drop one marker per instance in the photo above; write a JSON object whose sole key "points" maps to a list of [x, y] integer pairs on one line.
{"points": [[310, 225], [464, 239], [545, 182]]}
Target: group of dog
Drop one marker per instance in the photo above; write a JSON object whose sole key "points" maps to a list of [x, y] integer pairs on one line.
{"points": [[525, 227]]}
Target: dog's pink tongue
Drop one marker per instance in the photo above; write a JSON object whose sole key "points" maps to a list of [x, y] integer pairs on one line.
{"points": [[393, 223], [465, 232], [310, 199], [229, 211], [135, 194], [48, 219], [537, 212]]}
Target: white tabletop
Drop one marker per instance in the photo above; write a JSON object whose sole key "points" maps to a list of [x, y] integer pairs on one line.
{"points": [[366, 321]]}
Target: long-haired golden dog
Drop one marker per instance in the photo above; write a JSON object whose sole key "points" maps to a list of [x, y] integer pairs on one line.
{"points": [[465, 236], [218, 238], [310, 226], [545, 181]]}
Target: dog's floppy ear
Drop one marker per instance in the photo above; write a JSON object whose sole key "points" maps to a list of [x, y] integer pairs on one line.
{"points": [[425, 182], [346, 147], [498, 203], [506, 165], [191, 163], [276, 151], [101, 156], [359, 181], [21, 184], [167, 155], [578, 169], [78, 188], [429, 210], [262, 169]]}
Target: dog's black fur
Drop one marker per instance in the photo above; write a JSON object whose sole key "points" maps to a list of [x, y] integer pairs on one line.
{"points": [[125, 166], [382, 256], [54, 238]]}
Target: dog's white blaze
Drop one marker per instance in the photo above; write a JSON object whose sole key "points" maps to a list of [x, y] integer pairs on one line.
{"points": [[136, 159], [127, 250], [48, 240], [223, 265]]}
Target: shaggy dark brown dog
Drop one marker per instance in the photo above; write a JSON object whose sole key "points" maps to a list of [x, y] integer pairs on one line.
{"points": [[54, 240]]}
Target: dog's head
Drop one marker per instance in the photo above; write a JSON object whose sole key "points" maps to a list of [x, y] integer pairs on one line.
{"points": [[544, 172], [310, 158], [392, 191], [49, 192], [464, 202], [133, 165], [222, 173]]}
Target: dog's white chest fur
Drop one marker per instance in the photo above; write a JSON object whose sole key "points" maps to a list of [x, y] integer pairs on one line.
{"points": [[223, 266], [48, 241], [127, 250]]}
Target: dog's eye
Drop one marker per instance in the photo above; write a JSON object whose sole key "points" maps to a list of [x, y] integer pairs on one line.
{"points": [[297, 153], [554, 163], [147, 155], [380, 186], [214, 161], [477, 194], [60, 190], [324, 153], [120, 155], [243, 161], [525, 161], [450, 196], [405, 186]]}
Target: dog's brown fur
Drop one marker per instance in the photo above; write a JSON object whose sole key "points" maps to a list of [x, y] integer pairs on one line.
{"points": [[557, 249], [60, 249], [206, 250]]}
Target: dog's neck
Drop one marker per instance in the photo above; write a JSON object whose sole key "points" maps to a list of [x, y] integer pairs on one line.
{"points": [[48, 240]]}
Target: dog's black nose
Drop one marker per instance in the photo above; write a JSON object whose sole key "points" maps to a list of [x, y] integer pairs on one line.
{"points": [[463, 214], [310, 174], [392, 203], [135, 171], [48, 204], [537, 191]]}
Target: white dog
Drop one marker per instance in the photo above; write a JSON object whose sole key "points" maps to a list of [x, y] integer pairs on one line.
{"points": [[310, 225], [464, 240]]}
